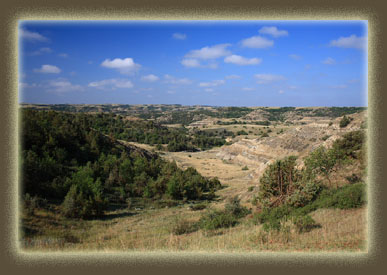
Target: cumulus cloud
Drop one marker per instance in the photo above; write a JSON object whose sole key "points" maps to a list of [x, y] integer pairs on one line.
{"points": [[48, 69], [350, 42], [179, 36], [209, 90], [281, 91], [111, 84], [268, 78], [150, 78], [242, 61], [62, 85], [247, 89], [191, 63], [213, 83], [257, 42], [233, 76], [42, 51], [32, 36], [124, 66], [273, 31], [64, 55], [329, 61], [209, 52], [295, 56], [173, 80]]}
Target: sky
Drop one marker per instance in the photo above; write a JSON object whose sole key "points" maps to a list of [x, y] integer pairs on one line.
{"points": [[217, 63]]}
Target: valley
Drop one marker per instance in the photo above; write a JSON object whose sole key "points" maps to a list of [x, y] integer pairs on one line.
{"points": [[231, 145]]}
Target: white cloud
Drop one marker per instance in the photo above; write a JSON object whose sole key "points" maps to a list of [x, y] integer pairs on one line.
{"points": [[48, 69], [42, 51], [209, 52], [170, 92], [32, 36], [242, 61], [329, 61], [62, 85], [350, 42], [173, 80], [233, 76], [150, 78], [209, 90], [179, 36], [23, 85], [292, 87], [64, 55], [213, 83], [268, 78], [191, 63], [281, 91], [258, 42], [273, 31], [295, 56], [111, 84], [247, 89], [124, 66]]}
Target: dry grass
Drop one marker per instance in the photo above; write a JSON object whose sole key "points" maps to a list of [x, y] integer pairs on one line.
{"points": [[150, 230]]}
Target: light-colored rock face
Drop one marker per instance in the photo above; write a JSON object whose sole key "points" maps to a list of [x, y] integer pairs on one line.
{"points": [[296, 140]]}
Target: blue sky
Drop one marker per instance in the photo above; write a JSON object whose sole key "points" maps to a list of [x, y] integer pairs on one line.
{"points": [[219, 63]]}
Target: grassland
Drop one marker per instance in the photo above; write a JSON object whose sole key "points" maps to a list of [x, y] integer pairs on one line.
{"points": [[147, 224]]}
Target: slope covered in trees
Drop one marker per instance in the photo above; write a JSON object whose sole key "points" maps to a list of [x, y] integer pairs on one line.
{"points": [[66, 158]]}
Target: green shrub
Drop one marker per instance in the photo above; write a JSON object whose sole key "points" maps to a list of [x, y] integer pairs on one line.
{"points": [[304, 223], [344, 121], [234, 208], [214, 219], [272, 225], [245, 168], [30, 204], [84, 198], [353, 178], [271, 214], [196, 207], [181, 227], [304, 194], [349, 196], [250, 189]]}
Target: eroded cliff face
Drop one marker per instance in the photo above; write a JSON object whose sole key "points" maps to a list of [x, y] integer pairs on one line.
{"points": [[297, 140]]}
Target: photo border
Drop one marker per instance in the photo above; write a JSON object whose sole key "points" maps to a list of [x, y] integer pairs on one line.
{"points": [[17, 260]]}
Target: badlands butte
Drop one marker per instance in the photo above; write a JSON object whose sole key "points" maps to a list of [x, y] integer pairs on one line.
{"points": [[248, 141]]}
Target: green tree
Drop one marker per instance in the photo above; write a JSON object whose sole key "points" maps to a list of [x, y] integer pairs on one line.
{"points": [[277, 182], [322, 161]]}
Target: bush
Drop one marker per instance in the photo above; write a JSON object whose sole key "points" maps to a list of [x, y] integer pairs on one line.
{"points": [[181, 227], [304, 223], [215, 219], [349, 196], [30, 204], [234, 208], [245, 168], [304, 194], [344, 121], [196, 207], [84, 198]]}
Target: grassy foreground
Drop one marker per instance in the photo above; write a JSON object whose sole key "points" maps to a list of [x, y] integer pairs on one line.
{"points": [[150, 230]]}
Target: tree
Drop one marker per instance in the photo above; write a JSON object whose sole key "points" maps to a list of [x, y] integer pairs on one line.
{"points": [[277, 181], [344, 121], [322, 161]]}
